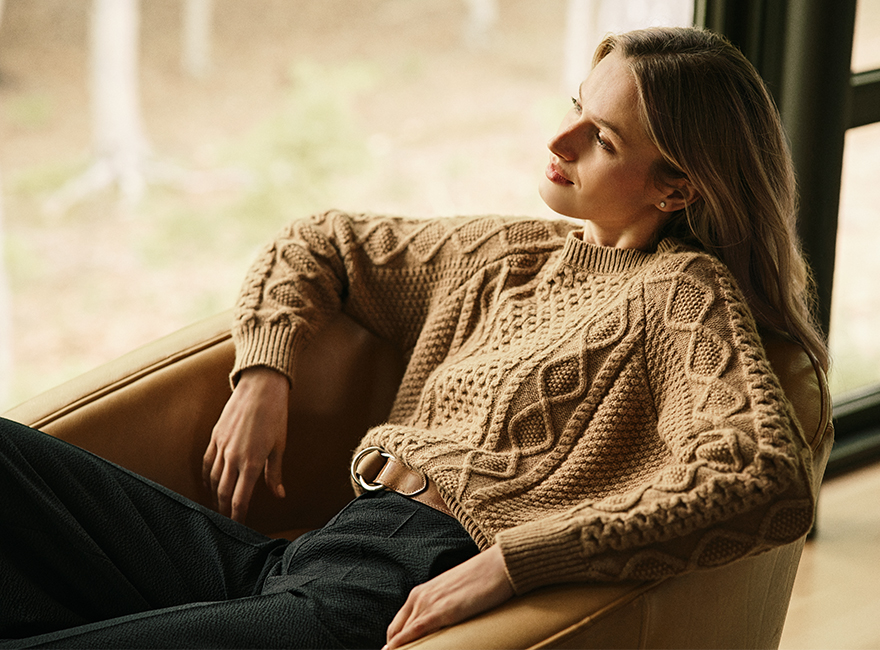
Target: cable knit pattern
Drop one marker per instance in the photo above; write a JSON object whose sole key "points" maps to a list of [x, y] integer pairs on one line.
{"points": [[602, 414]]}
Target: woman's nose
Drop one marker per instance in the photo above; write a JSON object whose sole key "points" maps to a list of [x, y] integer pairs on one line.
{"points": [[564, 143]]}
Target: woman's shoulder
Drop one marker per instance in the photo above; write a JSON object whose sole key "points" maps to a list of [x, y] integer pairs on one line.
{"points": [[686, 284], [483, 223], [676, 259], [388, 236]]}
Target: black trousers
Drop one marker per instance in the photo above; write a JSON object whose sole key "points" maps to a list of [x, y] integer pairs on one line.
{"points": [[92, 555]]}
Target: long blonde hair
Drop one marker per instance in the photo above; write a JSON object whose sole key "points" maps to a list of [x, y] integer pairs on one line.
{"points": [[709, 113]]}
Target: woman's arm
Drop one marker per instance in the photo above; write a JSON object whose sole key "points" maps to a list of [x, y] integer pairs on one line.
{"points": [[730, 472], [386, 273], [473, 587], [248, 439]]}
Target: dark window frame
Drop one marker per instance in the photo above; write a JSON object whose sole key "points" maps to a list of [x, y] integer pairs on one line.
{"points": [[803, 50]]}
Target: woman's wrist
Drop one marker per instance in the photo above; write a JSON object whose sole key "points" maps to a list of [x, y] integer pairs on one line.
{"points": [[263, 379]]}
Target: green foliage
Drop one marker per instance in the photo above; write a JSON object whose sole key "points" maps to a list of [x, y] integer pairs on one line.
{"points": [[181, 253], [301, 157], [30, 112], [39, 181]]}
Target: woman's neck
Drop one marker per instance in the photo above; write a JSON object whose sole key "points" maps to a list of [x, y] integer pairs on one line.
{"points": [[641, 237]]}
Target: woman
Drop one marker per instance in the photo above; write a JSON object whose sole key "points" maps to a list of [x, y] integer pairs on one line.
{"points": [[585, 399]]}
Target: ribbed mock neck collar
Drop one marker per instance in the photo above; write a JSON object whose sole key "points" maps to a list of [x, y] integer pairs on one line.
{"points": [[604, 259]]}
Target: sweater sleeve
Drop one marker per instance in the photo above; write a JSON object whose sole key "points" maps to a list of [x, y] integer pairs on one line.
{"points": [[736, 474], [387, 273]]}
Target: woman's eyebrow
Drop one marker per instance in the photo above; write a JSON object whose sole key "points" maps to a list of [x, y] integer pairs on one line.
{"points": [[605, 124], [609, 127]]}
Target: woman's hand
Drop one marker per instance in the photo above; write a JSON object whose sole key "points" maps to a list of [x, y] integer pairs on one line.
{"points": [[464, 591], [249, 438]]}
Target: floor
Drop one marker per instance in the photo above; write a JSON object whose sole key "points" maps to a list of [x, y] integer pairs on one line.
{"points": [[836, 599]]}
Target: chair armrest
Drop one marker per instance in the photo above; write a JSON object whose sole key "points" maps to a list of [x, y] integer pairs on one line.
{"points": [[560, 616], [153, 410], [740, 605]]}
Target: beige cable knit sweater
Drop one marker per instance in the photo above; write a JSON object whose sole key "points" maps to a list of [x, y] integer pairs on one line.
{"points": [[602, 414]]}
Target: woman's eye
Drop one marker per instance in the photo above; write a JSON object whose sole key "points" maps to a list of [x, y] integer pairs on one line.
{"points": [[601, 141], [576, 104]]}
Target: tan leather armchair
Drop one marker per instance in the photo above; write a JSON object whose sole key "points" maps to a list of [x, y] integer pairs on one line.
{"points": [[153, 410]]}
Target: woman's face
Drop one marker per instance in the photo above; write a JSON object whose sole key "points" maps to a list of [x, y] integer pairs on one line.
{"points": [[601, 163]]}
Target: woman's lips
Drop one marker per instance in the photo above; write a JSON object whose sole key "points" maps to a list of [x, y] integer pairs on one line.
{"points": [[556, 176]]}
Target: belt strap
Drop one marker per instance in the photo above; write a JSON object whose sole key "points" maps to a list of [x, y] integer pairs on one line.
{"points": [[375, 469]]}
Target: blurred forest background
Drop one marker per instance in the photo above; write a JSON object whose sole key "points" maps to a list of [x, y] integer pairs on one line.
{"points": [[243, 114], [432, 107]]}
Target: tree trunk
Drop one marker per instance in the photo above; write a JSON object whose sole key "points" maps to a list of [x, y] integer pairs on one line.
{"points": [[481, 19], [581, 39], [196, 37], [588, 21], [120, 146], [117, 123]]}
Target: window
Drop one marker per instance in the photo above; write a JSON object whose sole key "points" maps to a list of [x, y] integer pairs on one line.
{"points": [[399, 106], [855, 317]]}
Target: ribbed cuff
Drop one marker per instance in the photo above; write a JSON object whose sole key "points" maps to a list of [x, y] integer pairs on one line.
{"points": [[541, 553], [271, 346]]}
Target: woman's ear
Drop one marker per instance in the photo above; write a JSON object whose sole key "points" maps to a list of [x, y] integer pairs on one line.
{"points": [[677, 195]]}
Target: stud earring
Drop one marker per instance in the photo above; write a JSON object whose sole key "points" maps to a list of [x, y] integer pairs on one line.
{"points": [[662, 204]]}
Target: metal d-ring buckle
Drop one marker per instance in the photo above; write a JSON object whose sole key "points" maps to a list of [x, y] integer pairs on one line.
{"points": [[360, 480]]}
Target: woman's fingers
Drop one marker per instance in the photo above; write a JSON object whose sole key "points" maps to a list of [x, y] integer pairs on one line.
{"points": [[208, 463], [274, 473], [242, 492], [233, 478], [225, 486], [464, 591], [423, 613], [400, 619]]}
